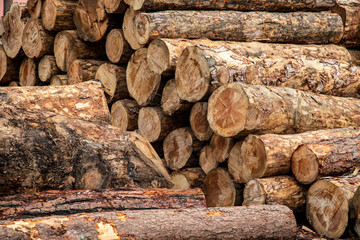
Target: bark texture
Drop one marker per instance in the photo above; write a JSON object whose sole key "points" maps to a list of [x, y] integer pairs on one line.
{"points": [[57, 15], [117, 48], [47, 68], [82, 70], [124, 114], [231, 223]]}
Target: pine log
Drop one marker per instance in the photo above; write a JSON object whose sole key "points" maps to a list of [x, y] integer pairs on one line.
{"points": [[34, 8], [220, 147], [240, 26], [117, 48], [236, 109], [124, 114], [231, 223], [207, 160], [82, 70], [163, 54], [84, 101], [2, 28], [14, 23], [349, 12], [355, 54], [28, 74], [170, 100], [59, 80], [9, 68], [115, 6], [113, 78], [220, 190], [68, 47], [52, 203], [283, 190], [36, 41], [355, 211], [334, 157], [154, 125], [327, 205], [142, 83], [188, 178], [14, 84], [198, 121], [252, 5], [270, 154], [202, 68], [41, 150], [47, 68], [91, 20], [57, 15], [128, 28]]}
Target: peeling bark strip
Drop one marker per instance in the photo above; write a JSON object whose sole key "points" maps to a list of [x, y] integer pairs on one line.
{"points": [[47, 68], [230, 222], [42, 150], [252, 5], [57, 15], [78, 201], [9, 68], [84, 101], [270, 154], [34, 8], [208, 64], [328, 202], [240, 26], [283, 190], [238, 109]]}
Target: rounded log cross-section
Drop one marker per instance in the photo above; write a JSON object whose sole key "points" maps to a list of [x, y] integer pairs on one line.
{"points": [[115, 6], [198, 121], [207, 160], [28, 75], [124, 114], [188, 178], [34, 8], [128, 28], [141, 82], [57, 15], [36, 41], [59, 80], [113, 78], [221, 147], [170, 100], [9, 68], [82, 70], [117, 48], [328, 202], [47, 68]]}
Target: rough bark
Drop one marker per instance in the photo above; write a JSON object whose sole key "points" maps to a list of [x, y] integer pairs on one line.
{"points": [[34, 8], [82, 70], [188, 178], [41, 151], [207, 160], [220, 147], [203, 67], [220, 190], [47, 68], [198, 121], [57, 15], [78, 201], [231, 222], [240, 26], [68, 47], [28, 74], [237, 109], [142, 83], [14, 23], [124, 114], [113, 78], [128, 28], [283, 190], [349, 12], [84, 101], [36, 41], [170, 100], [59, 80], [117, 48], [115, 6], [9, 68], [270, 154], [327, 205], [325, 158], [253, 5]]}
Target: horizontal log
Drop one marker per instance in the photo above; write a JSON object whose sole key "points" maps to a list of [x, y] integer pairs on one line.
{"points": [[355, 211], [128, 28], [115, 6], [170, 100], [187, 178], [117, 48], [79, 201], [47, 68], [59, 80], [207, 160], [57, 15], [199, 123], [124, 114], [34, 8], [240, 26], [9, 68], [28, 72], [220, 147], [82, 70], [233, 222]]}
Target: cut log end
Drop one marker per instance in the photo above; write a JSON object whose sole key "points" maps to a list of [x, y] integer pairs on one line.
{"points": [[158, 56], [304, 165], [228, 108], [75, 74], [207, 161], [47, 68], [136, 4], [199, 123], [142, 28], [115, 6], [114, 45], [27, 72], [149, 123], [220, 147], [48, 14], [124, 115], [108, 74], [128, 28], [219, 189], [170, 100], [327, 209], [63, 42], [179, 181], [59, 80], [254, 193], [192, 75], [34, 8], [3, 63]]}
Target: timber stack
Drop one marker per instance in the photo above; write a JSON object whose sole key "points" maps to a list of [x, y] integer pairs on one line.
{"points": [[155, 109]]}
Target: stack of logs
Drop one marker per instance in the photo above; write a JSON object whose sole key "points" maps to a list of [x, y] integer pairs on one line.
{"points": [[254, 102]]}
